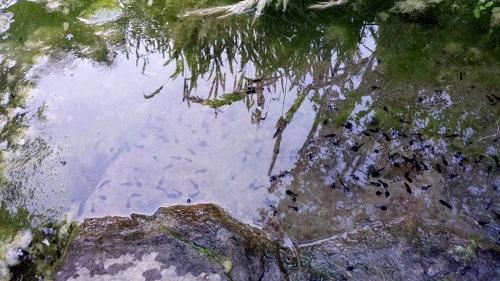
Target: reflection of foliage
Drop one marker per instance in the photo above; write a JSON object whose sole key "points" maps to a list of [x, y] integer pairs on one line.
{"points": [[297, 46], [11, 224], [296, 51], [37, 31], [439, 52], [482, 7], [202, 47], [414, 6]]}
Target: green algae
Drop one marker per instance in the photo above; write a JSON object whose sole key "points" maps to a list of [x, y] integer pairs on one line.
{"points": [[13, 223]]}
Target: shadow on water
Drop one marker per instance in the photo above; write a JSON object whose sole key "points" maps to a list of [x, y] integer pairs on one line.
{"points": [[330, 121]]}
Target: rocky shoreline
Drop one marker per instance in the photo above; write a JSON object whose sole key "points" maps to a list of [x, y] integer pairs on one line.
{"points": [[203, 242]]}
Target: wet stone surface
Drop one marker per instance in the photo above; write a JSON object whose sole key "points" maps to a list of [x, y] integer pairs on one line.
{"points": [[202, 242], [176, 243]]}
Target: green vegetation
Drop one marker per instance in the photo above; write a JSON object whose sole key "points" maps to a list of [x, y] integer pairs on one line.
{"points": [[12, 223]]}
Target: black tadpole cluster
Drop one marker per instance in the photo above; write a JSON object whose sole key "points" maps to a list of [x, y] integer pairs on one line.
{"points": [[423, 157]]}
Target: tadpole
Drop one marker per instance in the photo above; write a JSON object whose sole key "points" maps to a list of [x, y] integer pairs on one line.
{"points": [[408, 189], [356, 147], [385, 185], [438, 168], [386, 136], [444, 203], [374, 172], [344, 187], [444, 161], [425, 187], [491, 100], [407, 176]]}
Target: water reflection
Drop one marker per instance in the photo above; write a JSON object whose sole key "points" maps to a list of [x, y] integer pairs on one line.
{"points": [[153, 125], [146, 109]]}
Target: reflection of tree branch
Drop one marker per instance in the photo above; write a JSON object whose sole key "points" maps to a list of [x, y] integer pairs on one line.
{"points": [[252, 86], [316, 86], [226, 99], [283, 122]]}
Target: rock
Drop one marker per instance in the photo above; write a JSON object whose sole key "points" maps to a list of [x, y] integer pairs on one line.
{"points": [[199, 242], [202, 242], [408, 250]]}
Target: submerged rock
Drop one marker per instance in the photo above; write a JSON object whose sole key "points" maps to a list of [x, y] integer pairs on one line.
{"points": [[407, 250], [177, 243]]}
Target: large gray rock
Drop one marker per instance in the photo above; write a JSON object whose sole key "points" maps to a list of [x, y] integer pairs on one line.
{"points": [[178, 243], [202, 242]]}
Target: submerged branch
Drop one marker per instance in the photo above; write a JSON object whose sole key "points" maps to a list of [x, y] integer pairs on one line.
{"points": [[283, 123]]}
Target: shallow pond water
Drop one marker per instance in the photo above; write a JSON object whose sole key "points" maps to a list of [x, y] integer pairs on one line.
{"points": [[114, 108]]}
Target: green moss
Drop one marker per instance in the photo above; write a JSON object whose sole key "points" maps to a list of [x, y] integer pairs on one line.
{"points": [[222, 260], [11, 223], [48, 257]]}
